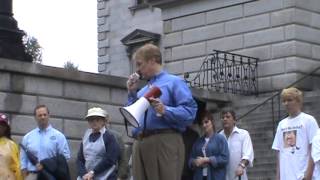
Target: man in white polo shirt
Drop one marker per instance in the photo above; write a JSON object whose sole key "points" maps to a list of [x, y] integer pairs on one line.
{"points": [[240, 147]]}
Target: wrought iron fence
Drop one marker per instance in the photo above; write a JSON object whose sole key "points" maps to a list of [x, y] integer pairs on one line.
{"points": [[226, 72]]}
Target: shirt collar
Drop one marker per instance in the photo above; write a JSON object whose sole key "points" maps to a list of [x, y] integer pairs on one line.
{"points": [[157, 76], [45, 130], [102, 130], [234, 130]]}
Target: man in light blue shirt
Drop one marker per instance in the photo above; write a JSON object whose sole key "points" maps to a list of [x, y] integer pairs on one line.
{"points": [[43, 142], [158, 152]]}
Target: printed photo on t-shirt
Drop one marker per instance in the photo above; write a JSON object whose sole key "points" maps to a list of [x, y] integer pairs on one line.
{"points": [[289, 139]]}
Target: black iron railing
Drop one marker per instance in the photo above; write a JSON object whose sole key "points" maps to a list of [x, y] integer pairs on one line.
{"points": [[226, 72]]}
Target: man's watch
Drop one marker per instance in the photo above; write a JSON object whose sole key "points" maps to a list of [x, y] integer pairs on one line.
{"points": [[91, 172], [242, 165]]}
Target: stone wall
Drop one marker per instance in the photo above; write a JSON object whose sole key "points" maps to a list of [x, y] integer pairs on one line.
{"points": [[115, 21], [283, 34], [67, 94]]}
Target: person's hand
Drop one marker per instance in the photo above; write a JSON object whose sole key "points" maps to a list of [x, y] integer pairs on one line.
{"points": [[25, 173], [132, 82], [158, 106], [39, 166], [88, 176], [201, 161], [239, 171]]}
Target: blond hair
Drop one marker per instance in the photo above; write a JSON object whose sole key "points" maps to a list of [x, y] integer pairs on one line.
{"points": [[147, 52], [292, 92]]}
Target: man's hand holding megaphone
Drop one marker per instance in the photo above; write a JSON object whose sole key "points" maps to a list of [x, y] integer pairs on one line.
{"points": [[157, 105]]}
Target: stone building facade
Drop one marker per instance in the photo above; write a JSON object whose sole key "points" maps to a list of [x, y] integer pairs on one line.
{"points": [[283, 34]]}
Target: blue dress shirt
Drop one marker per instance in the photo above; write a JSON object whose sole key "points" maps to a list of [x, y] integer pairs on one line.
{"points": [[180, 107], [43, 144]]}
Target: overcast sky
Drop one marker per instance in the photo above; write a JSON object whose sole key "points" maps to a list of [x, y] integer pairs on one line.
{"points": [[66, 30]]}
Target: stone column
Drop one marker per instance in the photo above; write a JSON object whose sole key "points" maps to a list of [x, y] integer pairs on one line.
{"points": [[11, 46]]}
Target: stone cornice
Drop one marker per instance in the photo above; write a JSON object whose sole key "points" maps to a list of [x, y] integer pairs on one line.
{"points": [[7, 65], [164, 3]]}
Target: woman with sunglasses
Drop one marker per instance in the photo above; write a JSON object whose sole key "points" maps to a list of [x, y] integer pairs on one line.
{"points": [[210, 154]]}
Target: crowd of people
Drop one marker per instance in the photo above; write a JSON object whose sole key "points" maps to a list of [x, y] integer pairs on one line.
{"points": [[167, 144]]}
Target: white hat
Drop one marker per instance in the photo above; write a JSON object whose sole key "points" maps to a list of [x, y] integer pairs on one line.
{"points": [[97, 111]]}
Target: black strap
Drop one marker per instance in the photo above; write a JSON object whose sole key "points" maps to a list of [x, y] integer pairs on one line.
{"points": [[145, 122]]}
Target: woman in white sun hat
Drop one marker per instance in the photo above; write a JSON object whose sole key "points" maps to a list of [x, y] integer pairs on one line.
{"points": [[99, 151]]}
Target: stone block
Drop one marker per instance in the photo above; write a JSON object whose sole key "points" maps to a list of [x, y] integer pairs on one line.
{"points": [[302, 17], [290, 16], [283, 80], [193, 65], [104, 59], [167, 26], [189, 51], [101, 21], [167, 55], [103, 43], [86, 92], [316, 52], [36, 85], [188, 22], [102, 51], [103, 12], [102, 67], [291, 48], [224, 14], [75, 129], [298, 64], [225, 44], [203, 33], [104, 28], [261, 52], [121, 129], [102, 36], [17, 103], [315, 22], [271, 67], [118, 96], [175, 67], [4, 81], [264, 37], [302, 33], [172, 39], [64, 108], [74, 146], [22, 124], [261, 6], [247, 24], [282, 17], [264, 84], [312, 5], [101, 5]]}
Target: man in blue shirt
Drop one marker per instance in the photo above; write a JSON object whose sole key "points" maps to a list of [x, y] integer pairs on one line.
{"points": [[43, 142], [158, 152]]}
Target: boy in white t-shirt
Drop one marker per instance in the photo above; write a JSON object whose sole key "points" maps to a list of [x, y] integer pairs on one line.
{"points": [[315, 153], [293, 139]]}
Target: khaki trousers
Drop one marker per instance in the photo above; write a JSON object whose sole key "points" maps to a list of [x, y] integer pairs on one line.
{"points": [[31, 176], [158, 157]]}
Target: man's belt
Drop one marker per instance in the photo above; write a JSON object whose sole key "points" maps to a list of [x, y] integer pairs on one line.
{"points": [[33, 172], [147, 133]]}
